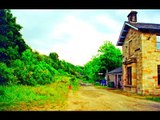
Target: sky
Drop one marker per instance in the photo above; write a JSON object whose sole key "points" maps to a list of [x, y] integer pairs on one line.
{"points": [[75, 34]]}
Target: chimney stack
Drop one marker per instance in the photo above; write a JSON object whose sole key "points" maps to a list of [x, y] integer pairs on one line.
{"points": [[132, 17]]}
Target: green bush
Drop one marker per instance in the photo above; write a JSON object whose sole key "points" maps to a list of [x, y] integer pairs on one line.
{"points": [[73, 79], [62, 72], [30, 71], [6, 75]]}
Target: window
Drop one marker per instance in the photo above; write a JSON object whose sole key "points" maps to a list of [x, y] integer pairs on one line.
{"points": [[158, 42], [129, 75], [119, 81], [158, 70], [129, 49]]}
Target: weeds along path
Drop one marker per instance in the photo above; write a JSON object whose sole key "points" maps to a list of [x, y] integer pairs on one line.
{"points": [[89, 98]]}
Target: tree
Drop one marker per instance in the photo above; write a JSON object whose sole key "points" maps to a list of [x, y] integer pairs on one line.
{"points": [[54, 56], [107, 58], [11, 41], [55, 60], [110, 56]]}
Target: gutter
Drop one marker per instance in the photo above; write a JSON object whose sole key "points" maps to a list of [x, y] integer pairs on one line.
{"points": [[131, 26]]}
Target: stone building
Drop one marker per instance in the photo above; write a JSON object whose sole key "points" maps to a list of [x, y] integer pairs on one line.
{"points": [[141, 56]]}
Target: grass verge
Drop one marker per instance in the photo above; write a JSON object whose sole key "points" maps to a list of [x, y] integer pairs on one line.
{"points": [[36, 98], [139, 96]]}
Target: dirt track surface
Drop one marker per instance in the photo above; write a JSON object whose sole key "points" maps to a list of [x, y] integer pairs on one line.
{"points": [[89, 98]]}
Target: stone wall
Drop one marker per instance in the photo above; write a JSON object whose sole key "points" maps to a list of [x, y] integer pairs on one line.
{"points": [[144, 71], [150, 60], [134, 39]]}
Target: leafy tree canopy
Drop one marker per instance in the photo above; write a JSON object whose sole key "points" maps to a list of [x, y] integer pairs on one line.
{"points": [[108, 57], [11, 42]]}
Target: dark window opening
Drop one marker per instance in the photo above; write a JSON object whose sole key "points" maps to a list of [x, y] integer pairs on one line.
{"points": [[158, 74], [129, 75]]}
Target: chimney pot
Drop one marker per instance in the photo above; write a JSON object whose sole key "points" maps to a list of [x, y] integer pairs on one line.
{"points": [[132, 16]]}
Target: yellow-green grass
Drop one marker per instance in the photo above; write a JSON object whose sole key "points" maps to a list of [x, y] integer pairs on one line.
{"points": [[154, 98], [36, 98]]}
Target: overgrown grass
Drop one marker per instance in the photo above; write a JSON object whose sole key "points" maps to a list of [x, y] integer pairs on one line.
{"points": [[154, 98], [75, 85], [41, 97], [68, 80]]}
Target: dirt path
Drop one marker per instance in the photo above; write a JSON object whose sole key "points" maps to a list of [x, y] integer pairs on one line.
{"points": [[89, 98]]}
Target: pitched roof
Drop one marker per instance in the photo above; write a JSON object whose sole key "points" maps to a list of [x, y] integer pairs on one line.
{"points": [[117, 70], [143, 27]]}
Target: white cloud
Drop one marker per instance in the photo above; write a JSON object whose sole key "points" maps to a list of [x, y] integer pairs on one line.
{"points": [[74, 37], [111, 24], [82, 42]]}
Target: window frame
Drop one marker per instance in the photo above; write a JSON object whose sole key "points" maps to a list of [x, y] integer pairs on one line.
{"points": [[129, 48], [157, 42]]}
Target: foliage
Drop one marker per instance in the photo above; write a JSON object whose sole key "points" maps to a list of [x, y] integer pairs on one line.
{"points": [[11, 41], [31, 72], [6, 75], [110, 57], [107, 58]]}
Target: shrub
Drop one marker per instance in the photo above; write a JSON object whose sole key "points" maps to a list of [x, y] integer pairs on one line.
{"points": [[6, 75], [62, 72]]}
